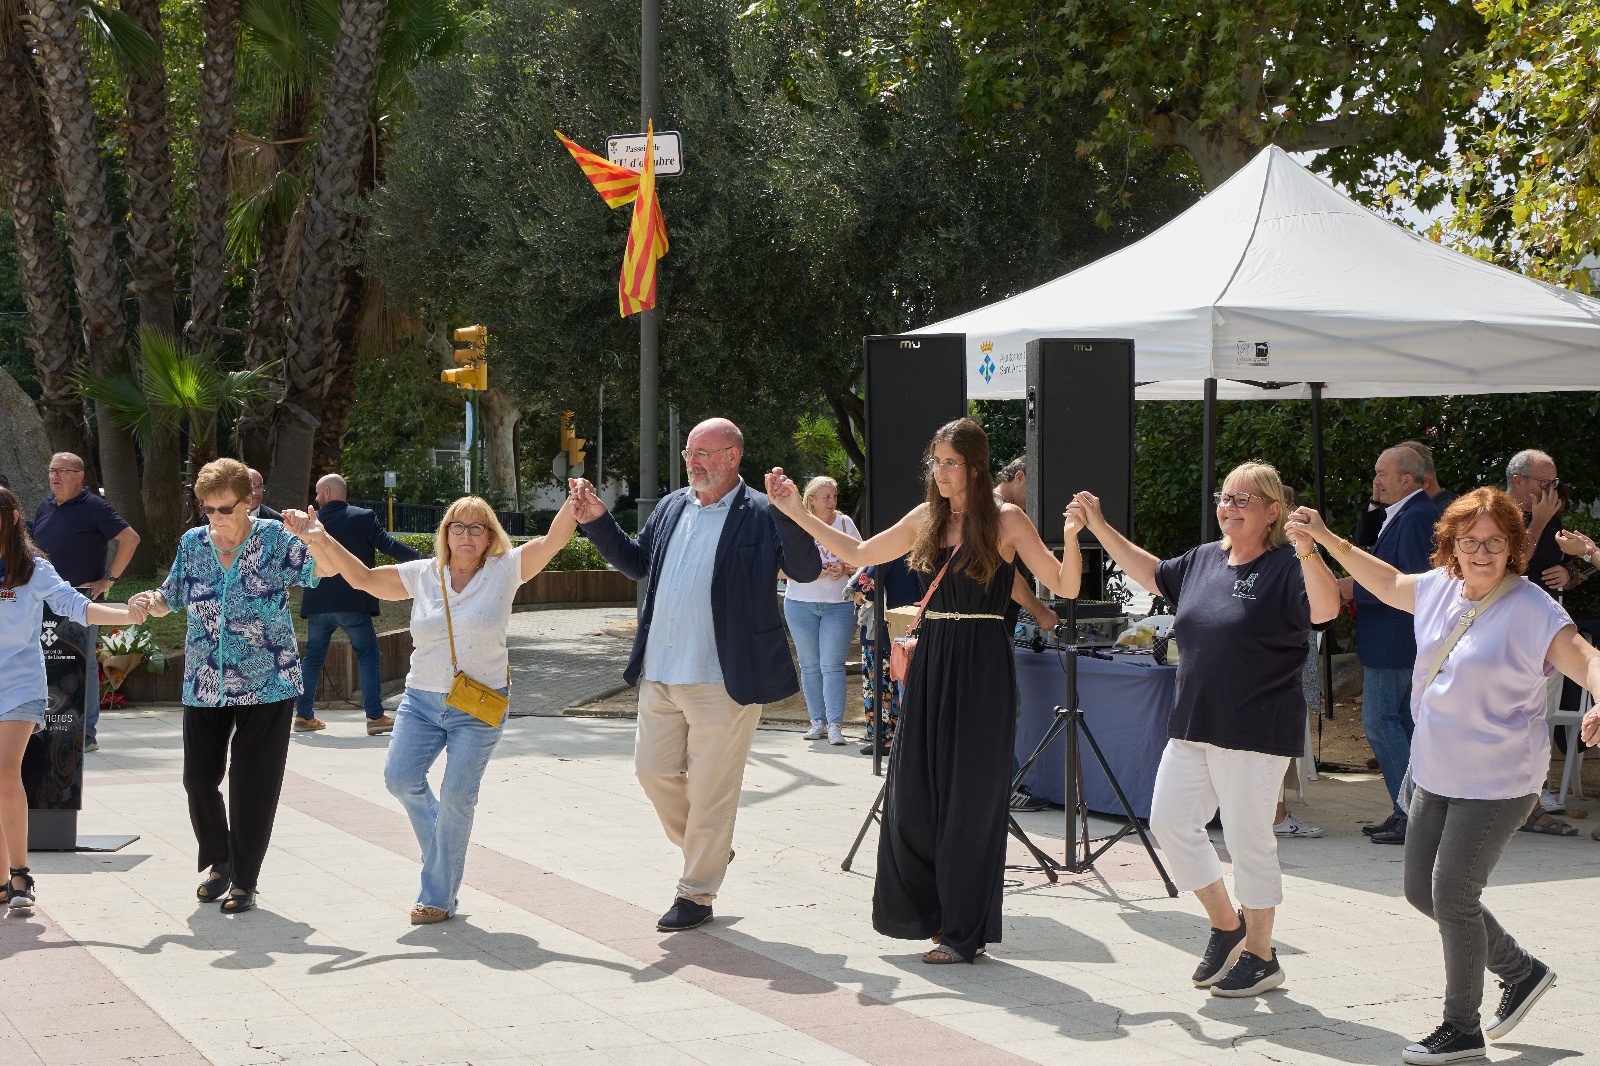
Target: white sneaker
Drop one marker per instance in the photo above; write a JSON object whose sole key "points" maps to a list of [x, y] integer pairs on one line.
{"points": [[817, 731], [1550, 803], [835, 734], [1294, 827]]}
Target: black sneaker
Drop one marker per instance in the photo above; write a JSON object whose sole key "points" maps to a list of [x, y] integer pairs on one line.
{"points": [[1250, 976], [1445, 1044], [1518, 999], [1385, 826], [1023, 800], [1222, 951], [685, 914]]}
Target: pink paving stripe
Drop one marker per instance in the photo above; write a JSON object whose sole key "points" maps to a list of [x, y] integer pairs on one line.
{"points": [[65, 1008], [868, 1028]]}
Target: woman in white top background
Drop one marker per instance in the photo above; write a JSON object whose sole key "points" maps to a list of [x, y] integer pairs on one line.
{"points": [[484, 572], [1481, 749], [821, 619]]}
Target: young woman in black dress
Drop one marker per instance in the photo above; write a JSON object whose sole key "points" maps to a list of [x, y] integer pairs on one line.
{"points": [[941, 854]]}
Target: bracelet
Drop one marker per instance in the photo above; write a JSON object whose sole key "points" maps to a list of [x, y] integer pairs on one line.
{"points": [[1342, 548], [1312, 554]]}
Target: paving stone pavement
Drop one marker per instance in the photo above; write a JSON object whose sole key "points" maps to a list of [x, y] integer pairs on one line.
{"points": [[555, 958], [561, 658]]}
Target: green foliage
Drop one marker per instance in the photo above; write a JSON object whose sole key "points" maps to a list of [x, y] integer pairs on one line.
{"points": [[1008, 434], [817, 441], [401, 412]]}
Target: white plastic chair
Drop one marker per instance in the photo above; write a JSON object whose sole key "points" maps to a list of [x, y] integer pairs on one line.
{"points": [[1572, 765]]}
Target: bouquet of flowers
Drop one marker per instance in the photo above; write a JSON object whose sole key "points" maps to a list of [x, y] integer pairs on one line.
{"points": [[120, 652]]}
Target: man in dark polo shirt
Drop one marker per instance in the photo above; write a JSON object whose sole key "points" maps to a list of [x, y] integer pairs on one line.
{"points": [[73, 527]]}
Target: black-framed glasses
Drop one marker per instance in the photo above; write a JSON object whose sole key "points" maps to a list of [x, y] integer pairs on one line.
{"points": [[207, 509], [1237, 500], [948, 466], [469, 529], [1470, 545], [702, 454]]}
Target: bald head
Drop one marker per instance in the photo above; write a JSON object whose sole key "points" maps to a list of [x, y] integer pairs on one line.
{"points": [[330, 487], [711, 458]]}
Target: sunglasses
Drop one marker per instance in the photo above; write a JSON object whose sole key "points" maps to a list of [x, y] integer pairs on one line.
{"points": [[207, 509]]}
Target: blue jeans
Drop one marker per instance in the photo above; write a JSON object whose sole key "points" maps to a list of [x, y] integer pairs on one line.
{"points": [[424, 727], [821, 634], [1386, 716], [357, 626]]}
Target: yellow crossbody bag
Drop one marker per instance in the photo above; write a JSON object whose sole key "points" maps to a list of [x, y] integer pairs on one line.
{"points": [[467, 695]]}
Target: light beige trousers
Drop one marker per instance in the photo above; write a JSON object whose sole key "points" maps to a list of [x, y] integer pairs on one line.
{"points": [[690, 754]]}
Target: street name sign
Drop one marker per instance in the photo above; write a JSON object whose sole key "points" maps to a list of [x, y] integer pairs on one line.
{"points": [[627, 150]]}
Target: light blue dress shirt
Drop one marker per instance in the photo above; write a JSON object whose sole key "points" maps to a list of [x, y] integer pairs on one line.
{"points": [[22, 677], [682, 647]]}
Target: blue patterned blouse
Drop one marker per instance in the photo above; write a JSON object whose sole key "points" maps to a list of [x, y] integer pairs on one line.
{"points": [[240, 648]]}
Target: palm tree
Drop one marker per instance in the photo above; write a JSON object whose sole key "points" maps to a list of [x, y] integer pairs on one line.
{"points": [[29, 190], [56, 39], [208, 272]]}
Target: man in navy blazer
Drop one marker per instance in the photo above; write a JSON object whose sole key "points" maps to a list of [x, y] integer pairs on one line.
{"points": [[711, 646], [333, 604], [1385, 641]]}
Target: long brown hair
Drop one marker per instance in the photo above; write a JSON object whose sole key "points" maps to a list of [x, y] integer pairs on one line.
{"points": [[15, 544], [980, 526]]}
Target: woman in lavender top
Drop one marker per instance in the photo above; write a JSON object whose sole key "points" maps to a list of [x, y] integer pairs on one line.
{"points": [[27, 583], [1481, 747]]}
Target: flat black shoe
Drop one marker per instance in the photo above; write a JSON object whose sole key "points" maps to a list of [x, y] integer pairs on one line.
{"points": [[685, 914], [1385, 826], [239, 902], [1390, 836], [1517, 999], [213, 887], [1444, 1044], [1222, 951], [1250, 976]]}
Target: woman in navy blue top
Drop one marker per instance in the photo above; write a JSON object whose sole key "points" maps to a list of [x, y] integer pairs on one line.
{"points": [[27, 583]]}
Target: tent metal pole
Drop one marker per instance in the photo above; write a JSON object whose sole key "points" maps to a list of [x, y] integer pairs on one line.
{"points": [[1208, 463], [1319, 493]]}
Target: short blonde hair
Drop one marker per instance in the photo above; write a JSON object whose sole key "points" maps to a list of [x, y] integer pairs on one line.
{"points": [[479, 511], [816, 485], [1264, 482], [224, 475]]}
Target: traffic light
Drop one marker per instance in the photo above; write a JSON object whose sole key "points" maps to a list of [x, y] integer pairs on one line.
{"points": [[475, 375], [571, 443]]}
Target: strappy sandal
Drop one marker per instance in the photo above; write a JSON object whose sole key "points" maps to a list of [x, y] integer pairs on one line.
{"points": [[214, 887], [422, 914], [20, 899], [1544, 823], [239, 900], [951, 955]]}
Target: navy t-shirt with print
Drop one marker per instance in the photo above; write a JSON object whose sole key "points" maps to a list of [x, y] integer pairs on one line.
{"points": [[1241, 633]]}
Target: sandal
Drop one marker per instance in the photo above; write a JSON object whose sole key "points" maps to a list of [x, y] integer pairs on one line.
{"points": [[422, 914], [239, 900], [950, 955], [213, 887], [20, 899], [1541, 822]]}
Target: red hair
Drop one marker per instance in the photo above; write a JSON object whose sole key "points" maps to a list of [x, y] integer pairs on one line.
{"points": [[1464, 511]]}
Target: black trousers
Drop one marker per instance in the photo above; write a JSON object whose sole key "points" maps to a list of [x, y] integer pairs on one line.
{"points": [[235, 835]]}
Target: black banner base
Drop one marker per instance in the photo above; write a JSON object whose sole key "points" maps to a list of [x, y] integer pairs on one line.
{"points": [[58, 831]]}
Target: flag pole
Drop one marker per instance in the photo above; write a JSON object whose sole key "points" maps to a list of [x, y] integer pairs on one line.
{"points": [[650, 318]]}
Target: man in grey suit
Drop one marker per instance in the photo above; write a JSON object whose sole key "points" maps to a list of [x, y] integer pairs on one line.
{"points": [[333, 604]]}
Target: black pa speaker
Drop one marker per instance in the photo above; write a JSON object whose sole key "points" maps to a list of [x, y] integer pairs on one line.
{"points": [[915, 384], [1080, 430]]}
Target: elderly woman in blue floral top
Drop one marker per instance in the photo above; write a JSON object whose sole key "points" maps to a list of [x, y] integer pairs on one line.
{"points": [[241, 674]]}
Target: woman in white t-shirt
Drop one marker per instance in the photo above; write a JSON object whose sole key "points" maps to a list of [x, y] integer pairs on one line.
{"points": [[484, 572], [1481, 748], [821, 620]]}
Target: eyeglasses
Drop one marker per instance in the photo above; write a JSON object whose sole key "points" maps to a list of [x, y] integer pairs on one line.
{"points": [[207, 509], [1470, 545], [63, 471], [701, 454], [473, 529], [1237, 500], [948, 465]]}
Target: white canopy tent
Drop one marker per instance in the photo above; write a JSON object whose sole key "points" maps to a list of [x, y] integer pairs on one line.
{"points": [[1278, 277]]}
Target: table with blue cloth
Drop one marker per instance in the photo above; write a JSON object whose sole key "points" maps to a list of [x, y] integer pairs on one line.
{"points": [[1125, 702]]}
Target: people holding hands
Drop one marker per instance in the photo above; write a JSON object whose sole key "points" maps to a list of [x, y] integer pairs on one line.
{"points": [[1245, 609], [941, 853], [1487, 639]]}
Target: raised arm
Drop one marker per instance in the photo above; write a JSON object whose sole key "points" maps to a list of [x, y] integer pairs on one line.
{"points": [[884, 547], [1322, 588], [1376, 576], [631, 556], [1137, 563], [334, 558], [1063, 576], [537, 553]]}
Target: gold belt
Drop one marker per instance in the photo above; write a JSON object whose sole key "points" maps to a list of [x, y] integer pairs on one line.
{"points": [[958, 614]]}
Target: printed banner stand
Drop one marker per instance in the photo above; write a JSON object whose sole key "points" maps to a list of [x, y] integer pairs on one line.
{"points": [[52, 765]]}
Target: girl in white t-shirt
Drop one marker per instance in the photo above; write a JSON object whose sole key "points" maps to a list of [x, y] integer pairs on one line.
{"points": [[474, 554], [822, 619]]}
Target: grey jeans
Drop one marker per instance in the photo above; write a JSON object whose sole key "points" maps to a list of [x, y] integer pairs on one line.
{"points": [[1452, 845]]}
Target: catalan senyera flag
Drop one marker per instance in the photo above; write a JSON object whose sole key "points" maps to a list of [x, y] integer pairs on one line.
{"points": [[647, 235]]}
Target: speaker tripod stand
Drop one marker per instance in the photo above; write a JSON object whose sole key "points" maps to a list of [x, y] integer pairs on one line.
{"points": [[1082, 851]]}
